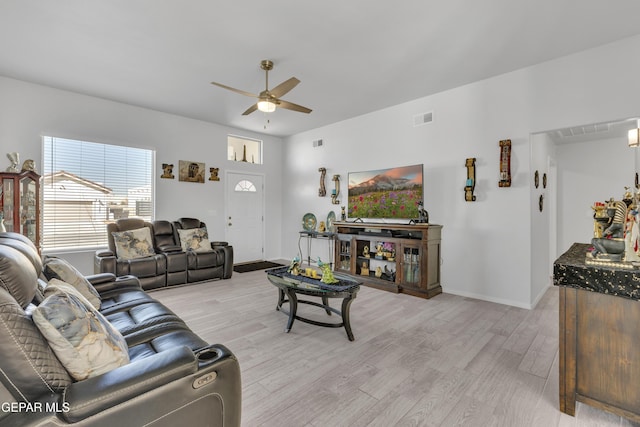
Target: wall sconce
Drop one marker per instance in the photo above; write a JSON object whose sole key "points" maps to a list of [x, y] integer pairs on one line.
{"points": [[634, 137], [470, 184], [336, 191]]}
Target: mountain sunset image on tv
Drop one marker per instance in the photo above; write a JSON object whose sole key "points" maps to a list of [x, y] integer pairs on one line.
{"points": [[385, 193]]}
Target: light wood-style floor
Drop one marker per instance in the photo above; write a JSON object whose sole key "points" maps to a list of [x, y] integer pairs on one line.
{"points": [[445, 361]]}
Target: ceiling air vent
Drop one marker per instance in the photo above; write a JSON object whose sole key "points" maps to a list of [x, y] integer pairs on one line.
{"points": [[317, 143], [421, 119]]}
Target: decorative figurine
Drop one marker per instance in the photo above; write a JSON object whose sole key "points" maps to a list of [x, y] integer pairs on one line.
{"points": [[14, 158], [378, 272], [294, 267], [29, 165], [611, 245], [365, 252], [327, 274], [379, 251], [364, 270], [322, 227], [423, 215], [343, 214]]}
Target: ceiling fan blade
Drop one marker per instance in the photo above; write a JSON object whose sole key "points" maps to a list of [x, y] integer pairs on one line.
{"points": [[284, 87], [241, 92], [251, 109], [291, 106]]}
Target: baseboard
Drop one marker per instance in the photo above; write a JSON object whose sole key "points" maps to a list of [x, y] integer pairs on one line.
{"points": [[486, 298]]}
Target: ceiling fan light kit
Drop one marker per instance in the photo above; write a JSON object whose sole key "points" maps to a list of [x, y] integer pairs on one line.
{"points": [[269, 100], [266, 106]]}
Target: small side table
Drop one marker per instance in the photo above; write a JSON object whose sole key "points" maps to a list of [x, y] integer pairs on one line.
{"points": [[310, 235]]}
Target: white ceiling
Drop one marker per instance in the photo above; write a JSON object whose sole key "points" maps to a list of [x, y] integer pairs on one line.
{"points": [[352, 56]]}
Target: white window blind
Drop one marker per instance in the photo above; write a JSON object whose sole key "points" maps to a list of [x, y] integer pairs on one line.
{"points": [[86, 185]]}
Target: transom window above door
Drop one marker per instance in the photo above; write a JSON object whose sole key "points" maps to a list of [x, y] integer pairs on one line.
{"points": [[242, 149]]}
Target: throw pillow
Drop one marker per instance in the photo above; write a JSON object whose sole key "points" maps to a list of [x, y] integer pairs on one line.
{"points": [[132, 244], [58, 268], [194, 239], [86, 344]]}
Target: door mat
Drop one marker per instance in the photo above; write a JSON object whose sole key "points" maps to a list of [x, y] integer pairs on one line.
{"points": [[253, 266]]}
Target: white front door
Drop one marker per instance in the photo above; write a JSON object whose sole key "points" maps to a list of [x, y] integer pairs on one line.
{"points": [[245, 216]]}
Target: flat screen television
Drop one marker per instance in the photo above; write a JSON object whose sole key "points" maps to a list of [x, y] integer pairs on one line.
{"points": [[391, 193]]}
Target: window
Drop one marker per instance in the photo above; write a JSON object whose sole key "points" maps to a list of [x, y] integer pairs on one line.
{"points": [[241, 149], [245, 185], [86, 185]]}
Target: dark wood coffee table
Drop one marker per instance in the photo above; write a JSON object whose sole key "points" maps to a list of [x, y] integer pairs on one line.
{"points": [[290, 286]]}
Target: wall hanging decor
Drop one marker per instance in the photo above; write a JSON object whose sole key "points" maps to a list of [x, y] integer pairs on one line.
{"points": [[322, 191], [214, 174], [470, 184], [167, 171], [191, 171], [536, 179], [541, 202], [544, 180], [505, 163], [335, 192]]}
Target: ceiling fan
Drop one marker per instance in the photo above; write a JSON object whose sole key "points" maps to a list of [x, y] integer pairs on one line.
{"points": [[268, 100]]}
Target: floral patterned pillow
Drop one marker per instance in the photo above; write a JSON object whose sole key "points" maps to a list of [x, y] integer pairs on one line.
{"points": [[132, 244], [194, 239], [58, 268], [84, 341]]}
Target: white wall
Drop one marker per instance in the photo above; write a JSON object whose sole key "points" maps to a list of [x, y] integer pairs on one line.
{"points": [[589, 172], [487, 244], [542, 154], [29, 111]]}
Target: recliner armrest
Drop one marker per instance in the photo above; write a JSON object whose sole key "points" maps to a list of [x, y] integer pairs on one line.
{"points": [[170, 248], [104, 253], [122, 282], [98, 278], [228, 260], [93, 395]]}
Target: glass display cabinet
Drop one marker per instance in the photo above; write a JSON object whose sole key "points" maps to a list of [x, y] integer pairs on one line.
{"points": [[20, 204]]}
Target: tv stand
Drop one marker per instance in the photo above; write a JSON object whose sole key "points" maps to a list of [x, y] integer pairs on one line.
{"points": [[408, 260]]}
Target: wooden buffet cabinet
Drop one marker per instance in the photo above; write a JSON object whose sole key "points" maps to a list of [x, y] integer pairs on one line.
{"points": [[410, 260], [599, 335], [20, 203]]}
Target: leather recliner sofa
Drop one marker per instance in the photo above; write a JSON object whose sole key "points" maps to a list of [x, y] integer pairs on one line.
{"points": [[151, 270], [170, 264], [173, 377], [203, 265]]}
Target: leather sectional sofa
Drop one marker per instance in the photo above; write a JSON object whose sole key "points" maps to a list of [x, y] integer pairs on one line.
{"points": [[172, 377], [168, 263]]}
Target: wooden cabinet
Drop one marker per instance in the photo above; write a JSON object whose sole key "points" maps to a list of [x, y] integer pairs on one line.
{"points": [[394, 257], [20, 203], [599, 338]]}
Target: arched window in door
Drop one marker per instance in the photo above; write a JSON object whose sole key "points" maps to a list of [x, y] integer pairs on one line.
{"points": [[245, 185]]}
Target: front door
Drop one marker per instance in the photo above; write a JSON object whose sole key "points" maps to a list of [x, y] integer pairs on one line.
{"points": [[245, 216]]}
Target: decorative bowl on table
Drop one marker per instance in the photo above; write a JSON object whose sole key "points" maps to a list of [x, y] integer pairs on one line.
{"points": [[309, 222]]}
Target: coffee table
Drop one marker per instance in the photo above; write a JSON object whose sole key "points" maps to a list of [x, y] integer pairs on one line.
{"points": [[290, 286]]}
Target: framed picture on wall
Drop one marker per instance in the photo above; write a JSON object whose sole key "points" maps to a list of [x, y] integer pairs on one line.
{"points": [[191, 171]]}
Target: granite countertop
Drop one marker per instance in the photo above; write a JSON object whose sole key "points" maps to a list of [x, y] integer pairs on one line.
{"points": [[571, 270]]}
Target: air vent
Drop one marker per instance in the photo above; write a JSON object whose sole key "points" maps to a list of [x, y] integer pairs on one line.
{"points": [[317, 143], [421, 119]]}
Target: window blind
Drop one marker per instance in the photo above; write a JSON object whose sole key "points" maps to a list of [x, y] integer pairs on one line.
{"points": [[86, 185]]}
